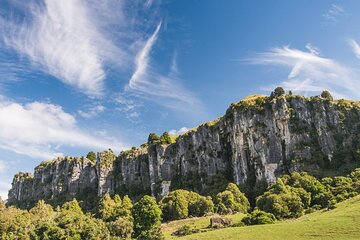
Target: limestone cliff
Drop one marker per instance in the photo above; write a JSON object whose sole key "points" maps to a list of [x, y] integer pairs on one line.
{"points": [[257, 139]]}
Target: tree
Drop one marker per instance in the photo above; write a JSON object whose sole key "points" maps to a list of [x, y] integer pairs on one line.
{"points": [[165, 138], [91, 156], [318, 192], [72, 206], [280, 201], [106, 208], [279, 91], [242, 203], [180, 204], [231, 200], [153, 138], [259, 217], [147, 219], [41, 213], [327, 95], [283, 205], [174, 206], [126, 206], [200, 206], [122, 227]]}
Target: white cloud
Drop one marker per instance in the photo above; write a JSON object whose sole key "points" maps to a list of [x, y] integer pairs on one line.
{"points": [[310, 72], [39, 129], [165, 90], [4, 188], [355, 47], [178, 132], [92, 112], [2, 166], [333, 13], [65, 39]]}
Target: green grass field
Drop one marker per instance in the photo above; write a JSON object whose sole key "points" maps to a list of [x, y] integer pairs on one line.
{"points": [[340, 223]]}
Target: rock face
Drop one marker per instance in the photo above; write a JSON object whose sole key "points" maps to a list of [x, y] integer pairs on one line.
{"points": [[257, 139]]}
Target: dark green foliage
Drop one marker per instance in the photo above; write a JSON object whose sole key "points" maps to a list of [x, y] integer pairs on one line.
{"points": [[231, 200], [147, 219], [327, 95], [341, 187], [279, 91], [280, 201], [91, 156], [122, 227], [153, 138], [258, 217], [319, 194]]}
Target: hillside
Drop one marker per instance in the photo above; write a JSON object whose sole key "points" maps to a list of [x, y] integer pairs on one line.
{"points": [[257, 140], [340, 223]]}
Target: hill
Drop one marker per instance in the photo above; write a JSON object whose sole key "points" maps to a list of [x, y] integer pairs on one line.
{"points": [[340, 223]]}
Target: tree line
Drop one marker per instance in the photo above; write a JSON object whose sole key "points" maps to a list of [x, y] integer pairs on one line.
{"points": [[117, 217]]}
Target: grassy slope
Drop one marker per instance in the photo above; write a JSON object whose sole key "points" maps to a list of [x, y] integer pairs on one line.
{"points": [[340, 223]]}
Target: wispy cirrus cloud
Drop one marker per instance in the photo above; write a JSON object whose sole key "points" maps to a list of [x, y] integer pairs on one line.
{"points": [[40, 129], [334, 12], [66, 39], [93, 111], [355, 47], [309, 72], [163, 89]]}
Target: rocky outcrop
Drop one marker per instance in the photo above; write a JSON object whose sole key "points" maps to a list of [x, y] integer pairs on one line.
{"points": [[257, 139]]}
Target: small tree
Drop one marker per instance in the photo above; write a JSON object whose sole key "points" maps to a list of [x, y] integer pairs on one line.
{"points": [[126, 206], [165, 138], [231, 200], [153, 138], [106, 208], [279, 91], [147, 219], [91, 156], [242, 202], [122, 227], [174, 206], [327, 95]]}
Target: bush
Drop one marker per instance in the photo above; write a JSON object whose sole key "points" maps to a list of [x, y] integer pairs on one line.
{"points": [[122, 227], [91, 156], [327, 95], [174, 206], [185, 230], [279, 91], [179, 204], [153, 138], [259, 217], [147, 219], [231, 200], [280, 201]]}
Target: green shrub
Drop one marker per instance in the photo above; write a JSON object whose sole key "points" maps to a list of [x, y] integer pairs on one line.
{"points": [[147, 219], [179, 204], [122, 227], [258, 217], [231, 200], [185, 230]]}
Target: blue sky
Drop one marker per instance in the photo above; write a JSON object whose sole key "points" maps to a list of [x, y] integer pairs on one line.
{"points": [[81, 75]]}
